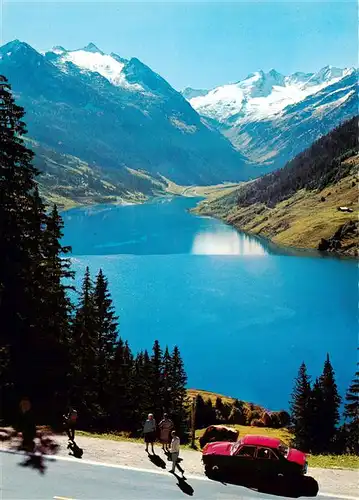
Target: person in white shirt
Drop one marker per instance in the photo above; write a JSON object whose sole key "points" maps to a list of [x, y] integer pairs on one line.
{"points": [[174, 450]]}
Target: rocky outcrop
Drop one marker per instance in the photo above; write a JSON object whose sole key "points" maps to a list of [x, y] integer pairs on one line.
{"points": [[343, 241]]}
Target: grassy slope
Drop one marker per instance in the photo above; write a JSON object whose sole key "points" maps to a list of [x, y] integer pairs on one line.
{"points": [[300, 221], [191, 393]]}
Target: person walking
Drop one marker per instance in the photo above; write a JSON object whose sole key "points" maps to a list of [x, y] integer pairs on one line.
{"points": [[166, 426], [149, 431], [26, 425], [174, 450], [70, 421]]}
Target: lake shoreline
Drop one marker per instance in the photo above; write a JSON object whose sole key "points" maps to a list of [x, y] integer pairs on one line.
{"points": [[197, 211], [204, 209], [291, 251]]}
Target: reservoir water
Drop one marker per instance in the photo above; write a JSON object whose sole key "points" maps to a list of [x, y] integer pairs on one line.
{"points": [[244, 314]]}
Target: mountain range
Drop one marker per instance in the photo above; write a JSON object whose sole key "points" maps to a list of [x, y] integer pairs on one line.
{"points": [[102, 124], [270, 118], [114, 115]]}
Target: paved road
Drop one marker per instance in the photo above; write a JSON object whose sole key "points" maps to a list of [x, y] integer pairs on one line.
{"points": [[63, 479]]}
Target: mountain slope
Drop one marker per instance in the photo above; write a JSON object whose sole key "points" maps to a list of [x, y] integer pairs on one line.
{"points": [[270, 118], [298, 205], [114, 113], [69, 181]]}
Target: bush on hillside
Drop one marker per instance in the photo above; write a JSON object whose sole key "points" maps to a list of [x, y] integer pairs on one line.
{"points": [[237, 416], [253, 415], [256, 422], [267, 419]]}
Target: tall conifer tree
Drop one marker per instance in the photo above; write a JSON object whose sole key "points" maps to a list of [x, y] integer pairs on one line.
{"points": [[301, 409], [330, 406], [351, 414]]}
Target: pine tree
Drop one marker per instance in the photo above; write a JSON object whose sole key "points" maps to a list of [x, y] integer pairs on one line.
{"points": [[58, 305], [141, 392], [178, 393], [26, 324], [316, 417], [205, 413], [84, 355], [330, 406], [237, 414], [301, 409], [200, 422], [168, 382], [156, 381], [122, 390], [351, 414], [351, 408], [219, 409], [106, 325], [17, 184]]}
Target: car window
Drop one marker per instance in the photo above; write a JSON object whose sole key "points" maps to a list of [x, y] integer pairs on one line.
{"points": [[246, 451], [267, 454]]}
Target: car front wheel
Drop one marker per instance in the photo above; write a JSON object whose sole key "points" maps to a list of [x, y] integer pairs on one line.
{"points": [[211, 470]]}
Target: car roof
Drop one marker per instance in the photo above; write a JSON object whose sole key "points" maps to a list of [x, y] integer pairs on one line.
{"points": [[261, 441]]}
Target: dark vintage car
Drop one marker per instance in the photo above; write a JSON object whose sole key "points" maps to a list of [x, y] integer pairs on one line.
{"points": [[254, 455]]}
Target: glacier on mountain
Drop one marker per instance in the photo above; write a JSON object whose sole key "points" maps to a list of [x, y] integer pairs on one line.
{"points": [[270, 117], [263, 95], [92, 59]]}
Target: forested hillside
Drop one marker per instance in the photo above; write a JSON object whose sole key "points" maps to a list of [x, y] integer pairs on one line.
{"points": [[317, 167], [299, 204]]}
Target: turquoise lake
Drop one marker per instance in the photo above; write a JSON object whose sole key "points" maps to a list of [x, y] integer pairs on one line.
{"points": [[244, 314]]}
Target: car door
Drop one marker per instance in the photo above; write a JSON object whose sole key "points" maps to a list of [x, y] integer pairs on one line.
{"points": [[243, 460], [267, 461]]}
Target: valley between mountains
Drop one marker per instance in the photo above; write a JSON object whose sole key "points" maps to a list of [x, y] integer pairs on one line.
{"points": [[109, 129], [105, 129]]}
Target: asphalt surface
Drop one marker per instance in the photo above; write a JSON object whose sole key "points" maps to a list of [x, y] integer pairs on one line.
{"points": [[76, 480]]}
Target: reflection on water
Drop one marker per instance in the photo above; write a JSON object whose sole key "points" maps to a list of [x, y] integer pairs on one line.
{"points": [[226, 243]]}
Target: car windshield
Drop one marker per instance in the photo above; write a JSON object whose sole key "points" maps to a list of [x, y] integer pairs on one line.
{"points": [[283, 450], [235, 447]]}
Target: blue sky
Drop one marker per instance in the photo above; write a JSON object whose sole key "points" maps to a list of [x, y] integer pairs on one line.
{"points": [[198, 44]]}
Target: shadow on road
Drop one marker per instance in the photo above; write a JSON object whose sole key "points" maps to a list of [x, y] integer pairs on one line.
{"points": [[305, 486], [157, 461], [35, 462], [184, 486], [35, 451]]}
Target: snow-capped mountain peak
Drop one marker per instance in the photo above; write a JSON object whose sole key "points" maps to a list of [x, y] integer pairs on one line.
{"points": [[270, 117], [91, 47], [58, 49], [93, 59], [263, 95], [327, 75]]}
